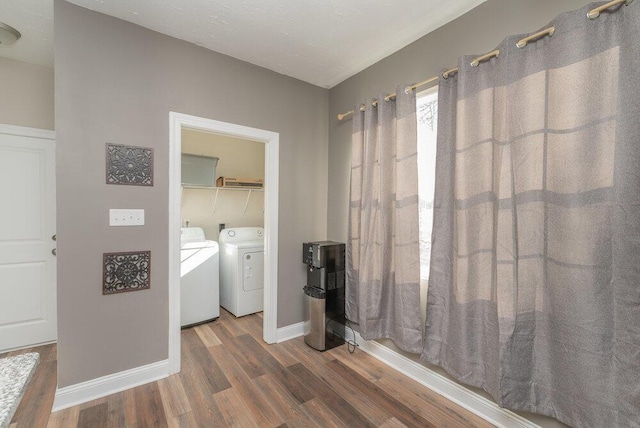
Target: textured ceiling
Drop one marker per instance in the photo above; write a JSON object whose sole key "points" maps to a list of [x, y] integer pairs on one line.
{"points": [[322, 42], [34, 20]]}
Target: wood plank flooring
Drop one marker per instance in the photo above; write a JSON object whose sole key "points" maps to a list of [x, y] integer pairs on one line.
{"points": [[230, 377], [35, 406]]}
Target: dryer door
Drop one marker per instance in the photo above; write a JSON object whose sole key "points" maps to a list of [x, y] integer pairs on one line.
{"points": [[253, 271]]}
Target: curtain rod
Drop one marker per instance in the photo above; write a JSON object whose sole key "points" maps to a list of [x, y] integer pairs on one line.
{"points": [[592, 14]]}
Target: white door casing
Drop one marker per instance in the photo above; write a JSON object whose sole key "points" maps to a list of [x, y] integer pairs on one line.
{"points": [[177, 122], [27, 229]]}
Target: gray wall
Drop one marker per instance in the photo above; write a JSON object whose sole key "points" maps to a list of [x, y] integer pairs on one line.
{"points": [[116, 82], [27, 94], [476, 32]]}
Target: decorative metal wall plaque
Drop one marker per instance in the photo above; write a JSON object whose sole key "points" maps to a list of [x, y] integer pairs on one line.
{"points": [[130, 271], [129, 165]]}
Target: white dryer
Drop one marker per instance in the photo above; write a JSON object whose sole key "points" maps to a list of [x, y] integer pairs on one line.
{"points": [[242, 270], [199, 278]]}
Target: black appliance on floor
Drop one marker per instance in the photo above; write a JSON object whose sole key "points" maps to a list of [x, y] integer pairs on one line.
{"points": [[324, 299]]}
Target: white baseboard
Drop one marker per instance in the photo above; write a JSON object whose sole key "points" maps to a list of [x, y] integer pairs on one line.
{"points": [[290, 332], [110, 384], [449, 389]]}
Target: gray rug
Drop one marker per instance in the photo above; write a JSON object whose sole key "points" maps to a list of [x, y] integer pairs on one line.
{"points": [[15, 374]]}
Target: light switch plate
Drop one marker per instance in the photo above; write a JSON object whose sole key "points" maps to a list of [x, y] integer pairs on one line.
{"points": [[122, 217]]}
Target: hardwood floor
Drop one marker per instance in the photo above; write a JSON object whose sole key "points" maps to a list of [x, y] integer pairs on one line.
{"points": [[230, 377], [35, 406]]}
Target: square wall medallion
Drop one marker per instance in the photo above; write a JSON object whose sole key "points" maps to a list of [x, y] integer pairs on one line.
{"points": [[129, 165], [129, 271]]}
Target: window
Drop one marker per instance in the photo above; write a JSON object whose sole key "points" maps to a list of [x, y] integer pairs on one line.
{"points": [[427, 116]]}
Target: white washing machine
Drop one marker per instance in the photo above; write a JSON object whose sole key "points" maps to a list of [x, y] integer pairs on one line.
{"points": [[242, 270], [199, 278]]}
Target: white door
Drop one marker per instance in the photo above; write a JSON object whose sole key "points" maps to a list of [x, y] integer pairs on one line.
{"points": [[27, 229]]}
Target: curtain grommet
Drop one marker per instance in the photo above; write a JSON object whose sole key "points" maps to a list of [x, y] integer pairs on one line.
{"points": [[447, 73]]}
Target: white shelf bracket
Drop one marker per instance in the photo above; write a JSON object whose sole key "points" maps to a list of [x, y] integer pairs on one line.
{"points": [[246, 204], [215, 201], [217, 193]]}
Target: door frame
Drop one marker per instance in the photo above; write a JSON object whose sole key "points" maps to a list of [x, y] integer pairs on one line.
{"points": [[178, 122], [22, 131]]}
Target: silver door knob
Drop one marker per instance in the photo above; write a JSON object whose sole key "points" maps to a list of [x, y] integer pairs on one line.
{"points": [[53, 251]]}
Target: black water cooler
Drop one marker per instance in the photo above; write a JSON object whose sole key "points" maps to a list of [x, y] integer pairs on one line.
{"points": [[324, 318]]}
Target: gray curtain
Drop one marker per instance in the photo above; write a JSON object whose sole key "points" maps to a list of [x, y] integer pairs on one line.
{"points": [[534, 287], [383, 262]]}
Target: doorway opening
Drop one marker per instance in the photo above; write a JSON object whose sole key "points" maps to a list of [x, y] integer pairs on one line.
{"points": [[179, 123]]}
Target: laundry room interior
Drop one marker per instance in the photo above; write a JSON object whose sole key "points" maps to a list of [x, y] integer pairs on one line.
{"points": [[237, 158], [223, 197]]}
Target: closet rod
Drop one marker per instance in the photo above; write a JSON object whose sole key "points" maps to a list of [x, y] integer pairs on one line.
{"points": [[592, 14]]}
